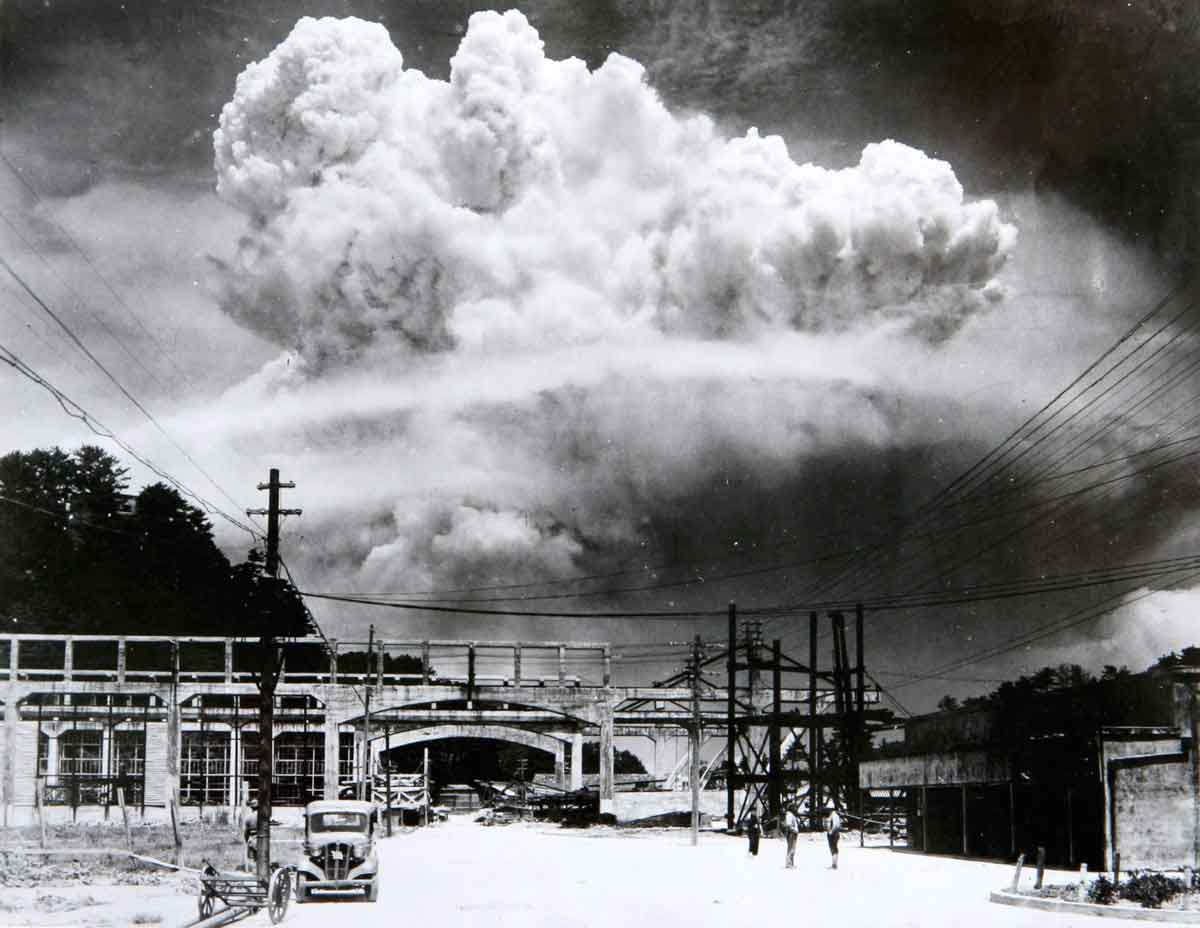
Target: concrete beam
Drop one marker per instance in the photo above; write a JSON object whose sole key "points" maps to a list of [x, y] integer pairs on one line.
{"points": [[607, 788], [549, 743], [332, 743], [577, 761]]}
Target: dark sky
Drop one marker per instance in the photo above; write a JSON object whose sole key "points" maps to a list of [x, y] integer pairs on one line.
{"points": [[1080, 118]]}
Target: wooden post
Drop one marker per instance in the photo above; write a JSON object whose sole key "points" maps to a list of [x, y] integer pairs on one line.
{"points": [[814, 733], [517, 665], [1041, 867], [891, 818], [965, 845], [365, 791], [607, 665], [730, 721], [125, 817], [228, 660], [774, 760], [1116, 868], [387, 772], [68, 658], [425, 771], [121, 660], [694, 742], [425, 662], [924, 820], [562, 665], [379, 662], [175, 831], [470, 672], [39, 800], [333, 662], [1017, 873]]}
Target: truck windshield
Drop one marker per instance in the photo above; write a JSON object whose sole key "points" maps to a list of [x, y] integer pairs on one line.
{"points": [[337, 821]]}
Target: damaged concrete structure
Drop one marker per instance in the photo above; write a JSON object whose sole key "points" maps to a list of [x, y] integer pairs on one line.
{"points": [[91, 722], [1088, 774]]}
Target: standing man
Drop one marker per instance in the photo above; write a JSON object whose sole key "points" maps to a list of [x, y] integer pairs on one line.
{"points": [[832, 831], [791, 831], [753, 832]]}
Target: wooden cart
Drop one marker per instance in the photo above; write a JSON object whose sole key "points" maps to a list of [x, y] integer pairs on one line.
{"points": [[240, 890]]}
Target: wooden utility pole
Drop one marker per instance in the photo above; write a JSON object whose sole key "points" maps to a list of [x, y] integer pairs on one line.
{"points": [[364, 790], [731, 770], [694, 739], [269, 671], [425, 778]]}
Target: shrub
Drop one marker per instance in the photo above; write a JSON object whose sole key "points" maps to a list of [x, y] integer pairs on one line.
{"points": [[1102, 892], [1151, 890]]}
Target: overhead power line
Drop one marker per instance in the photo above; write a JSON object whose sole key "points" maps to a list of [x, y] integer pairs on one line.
{"points": [[87, 259], [117, 383], [76, 411]]}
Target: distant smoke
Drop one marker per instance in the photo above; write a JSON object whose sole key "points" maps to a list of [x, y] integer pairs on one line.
{"points": [[552, 311]]}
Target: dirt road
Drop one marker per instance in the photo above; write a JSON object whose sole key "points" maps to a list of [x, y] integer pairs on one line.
{"points": [[461, 873]]}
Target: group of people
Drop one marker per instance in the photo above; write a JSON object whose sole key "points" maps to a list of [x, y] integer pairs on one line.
{"points": [[790, 826]]}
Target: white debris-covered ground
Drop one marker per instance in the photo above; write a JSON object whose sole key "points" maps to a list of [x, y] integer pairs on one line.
{"points": [[462, 873]]}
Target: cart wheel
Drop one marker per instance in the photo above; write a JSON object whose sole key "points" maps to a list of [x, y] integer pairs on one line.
{"points": [[279, 890], [205, 905]]}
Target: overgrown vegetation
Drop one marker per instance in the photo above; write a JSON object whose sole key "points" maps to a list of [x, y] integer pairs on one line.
{"points": [[1102, 892], [1151, 890]]}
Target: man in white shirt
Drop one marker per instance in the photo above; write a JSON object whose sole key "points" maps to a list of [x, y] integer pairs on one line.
{"points": [[791, 831], [833, 830]]}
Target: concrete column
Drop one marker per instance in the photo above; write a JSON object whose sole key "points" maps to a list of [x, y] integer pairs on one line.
{"points": [[234, 793], [577, 761], [68, 658], [171, 778], [607, 665], [121, 649], [228, 660], [331, 758], [10, 728], [333, 661], [562, 665], [559, 764], [607, 786], [517, 665]]}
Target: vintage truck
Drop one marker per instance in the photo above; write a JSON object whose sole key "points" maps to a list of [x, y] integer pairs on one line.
{"points": [[339, 857]]}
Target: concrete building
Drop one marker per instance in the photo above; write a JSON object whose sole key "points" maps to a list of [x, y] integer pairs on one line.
{"points": [[91, 721], [94, 721], [1087, 774]]}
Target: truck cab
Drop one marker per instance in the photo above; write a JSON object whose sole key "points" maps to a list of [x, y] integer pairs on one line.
{"points": [[339, 857]]}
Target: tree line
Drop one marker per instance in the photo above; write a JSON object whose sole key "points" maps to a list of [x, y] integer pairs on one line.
{"points": [[80, 554]]}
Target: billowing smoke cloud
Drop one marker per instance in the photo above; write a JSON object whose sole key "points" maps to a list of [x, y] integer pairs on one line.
{"points": [[559, 314]]}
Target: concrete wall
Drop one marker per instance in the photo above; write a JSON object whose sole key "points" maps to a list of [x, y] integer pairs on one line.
{"points": [[1152, 805], [634, 805], [946, 768]]}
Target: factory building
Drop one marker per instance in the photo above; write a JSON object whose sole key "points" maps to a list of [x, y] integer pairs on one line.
{"points": [[1087, 773]]}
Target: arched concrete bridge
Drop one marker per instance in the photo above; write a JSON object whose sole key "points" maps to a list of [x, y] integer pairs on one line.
{"points": [[160, 731], [551, 744]]}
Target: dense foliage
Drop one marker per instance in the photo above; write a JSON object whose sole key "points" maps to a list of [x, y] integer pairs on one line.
{"points": [[80, 555], [1151, 890]]}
